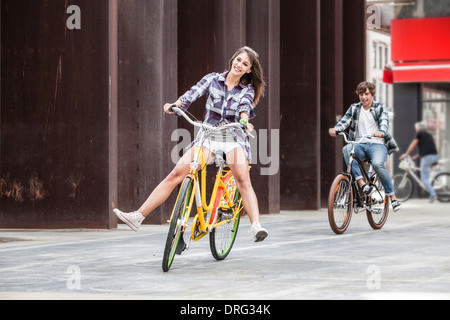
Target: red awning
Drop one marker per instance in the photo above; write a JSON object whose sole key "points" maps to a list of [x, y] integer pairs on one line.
{"points": [[421, 49], [422, 72]]}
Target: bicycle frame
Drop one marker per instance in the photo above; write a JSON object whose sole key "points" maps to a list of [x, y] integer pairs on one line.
{"points": [[415, 177], [368, 175], [200, 194], [410, 170]]}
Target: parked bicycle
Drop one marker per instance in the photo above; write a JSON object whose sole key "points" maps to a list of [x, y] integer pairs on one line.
{"points": [[404, 182], [346, 196], [220, 219]]}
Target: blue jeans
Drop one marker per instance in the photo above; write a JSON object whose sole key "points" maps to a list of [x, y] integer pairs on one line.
{"points": [[425, 167], [377, 153]]}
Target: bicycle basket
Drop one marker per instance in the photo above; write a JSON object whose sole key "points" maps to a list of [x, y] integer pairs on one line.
{"points": [[405, 164]]}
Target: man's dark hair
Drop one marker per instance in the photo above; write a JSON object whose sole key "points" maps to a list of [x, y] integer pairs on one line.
{"points": [[363, 86]]}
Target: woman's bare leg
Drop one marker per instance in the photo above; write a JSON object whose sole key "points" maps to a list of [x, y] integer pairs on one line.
{"points": [[165, 188], [239, 167]]}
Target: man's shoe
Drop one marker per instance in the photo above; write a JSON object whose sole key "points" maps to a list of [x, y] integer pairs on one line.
{"points": [[396, 205], [258, 232], [132, 219], [432, 199], [368, 190]]}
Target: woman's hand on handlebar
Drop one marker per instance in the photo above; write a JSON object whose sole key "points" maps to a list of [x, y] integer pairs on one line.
{"points": [[250, 127], [332, 132], [167, 106], [245, 124]]}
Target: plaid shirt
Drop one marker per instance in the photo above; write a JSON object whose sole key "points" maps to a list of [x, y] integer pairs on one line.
{"points": [[379, 114], [222, 105]]}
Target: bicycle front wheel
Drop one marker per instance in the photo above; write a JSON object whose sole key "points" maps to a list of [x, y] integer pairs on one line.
{"points": [[441, 185], [403, 186], [340, 204], [379, 206], [222, 238], [175, 241]]}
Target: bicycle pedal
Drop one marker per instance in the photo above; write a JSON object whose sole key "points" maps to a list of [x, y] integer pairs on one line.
{"points": [[225, 213]]}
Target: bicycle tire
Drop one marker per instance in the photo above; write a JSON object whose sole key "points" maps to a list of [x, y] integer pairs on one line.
{"points": [[441, 185], [403, 186], [176, 229], [222, 238], [377, 220], [339, 208]]}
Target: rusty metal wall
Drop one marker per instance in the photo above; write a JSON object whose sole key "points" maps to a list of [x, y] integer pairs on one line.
{"points": [[82, 127], [331, 88], [263, 34], [147, 79], [322, 61], [54, 115], [300, 105]]}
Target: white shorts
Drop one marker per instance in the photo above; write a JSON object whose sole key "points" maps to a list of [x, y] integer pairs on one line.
{"points": [[220, 146]]}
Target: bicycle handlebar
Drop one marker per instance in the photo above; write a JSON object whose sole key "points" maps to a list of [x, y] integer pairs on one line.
{"points": [[174, 108], [354, 142]]}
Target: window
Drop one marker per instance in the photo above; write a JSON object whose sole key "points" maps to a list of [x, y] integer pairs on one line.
{"points": [[436, 115]]}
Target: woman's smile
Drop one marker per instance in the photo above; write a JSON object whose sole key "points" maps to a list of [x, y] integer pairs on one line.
{"points": [[242, 64]]}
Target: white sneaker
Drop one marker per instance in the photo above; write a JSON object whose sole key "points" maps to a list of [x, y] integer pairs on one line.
{"points": [[258, 232], [132, 219]]}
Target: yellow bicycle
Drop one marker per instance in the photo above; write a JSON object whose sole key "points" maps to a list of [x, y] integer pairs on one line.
{"points": [[220, 218]]}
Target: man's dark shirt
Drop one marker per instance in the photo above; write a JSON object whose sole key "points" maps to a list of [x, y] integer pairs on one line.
{"points": [[426, 143]]}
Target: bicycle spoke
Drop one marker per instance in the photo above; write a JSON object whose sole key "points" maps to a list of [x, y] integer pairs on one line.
{"points": [[378, 205], [177, 225], [223, 236], [340, 204], [441, 185]]}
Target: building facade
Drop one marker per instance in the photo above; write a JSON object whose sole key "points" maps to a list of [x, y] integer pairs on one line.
{"points": [[421, 72]]}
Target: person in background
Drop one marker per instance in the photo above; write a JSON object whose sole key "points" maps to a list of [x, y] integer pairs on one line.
{"points": [[428, 156]]}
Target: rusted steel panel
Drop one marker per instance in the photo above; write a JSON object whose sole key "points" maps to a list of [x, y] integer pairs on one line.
{"points": [[147, 79], [332, 83], [300, 105], [263, 35], [54, 115]]}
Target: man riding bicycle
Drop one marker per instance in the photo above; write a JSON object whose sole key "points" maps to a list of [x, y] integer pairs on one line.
{"points": [[369, 117]]}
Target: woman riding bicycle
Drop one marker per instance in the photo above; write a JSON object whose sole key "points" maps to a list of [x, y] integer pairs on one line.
{"points": [[369, 117], [232, 96]]}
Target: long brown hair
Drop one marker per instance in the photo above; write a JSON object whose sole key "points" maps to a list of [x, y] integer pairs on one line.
{"points": [[256, 77]]}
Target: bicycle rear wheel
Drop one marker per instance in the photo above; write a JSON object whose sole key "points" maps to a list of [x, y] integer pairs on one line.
{"points": [[403, 186], [340, 204], [221, 238], [379, 203], [441, 185], [175, 241]]}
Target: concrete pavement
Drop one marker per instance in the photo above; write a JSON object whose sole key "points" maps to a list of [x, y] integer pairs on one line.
{"points": [[301, 259]]}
